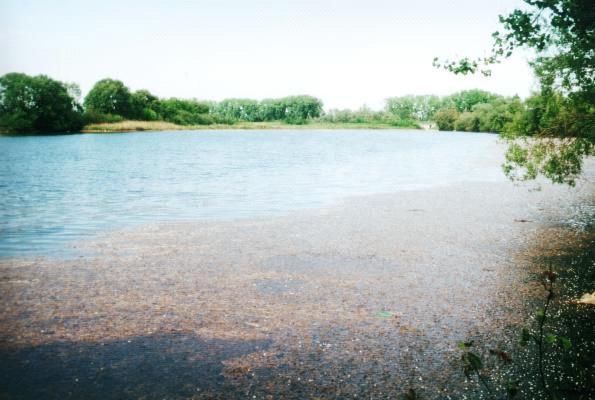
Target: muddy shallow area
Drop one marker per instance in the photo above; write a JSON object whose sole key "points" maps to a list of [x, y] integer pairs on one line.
{"points": [[363, 299]]}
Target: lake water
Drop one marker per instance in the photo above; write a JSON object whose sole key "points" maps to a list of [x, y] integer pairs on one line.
{"points": [[56, 189]]}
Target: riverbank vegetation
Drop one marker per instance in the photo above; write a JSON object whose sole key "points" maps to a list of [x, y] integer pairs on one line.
{"points": [[40, 104], [555, 129], [139, 126]]}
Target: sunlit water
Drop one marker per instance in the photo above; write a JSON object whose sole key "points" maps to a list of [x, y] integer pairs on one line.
{"points": [[55, 189]]}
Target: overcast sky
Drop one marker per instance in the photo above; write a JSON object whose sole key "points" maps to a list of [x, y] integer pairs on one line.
{"points": [[346, 52]]}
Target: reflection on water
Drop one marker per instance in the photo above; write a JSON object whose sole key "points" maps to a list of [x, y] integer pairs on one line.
{"points": [[58, 188]]}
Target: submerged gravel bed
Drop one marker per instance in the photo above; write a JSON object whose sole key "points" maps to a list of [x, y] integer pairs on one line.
{"points": [[363, 299]]}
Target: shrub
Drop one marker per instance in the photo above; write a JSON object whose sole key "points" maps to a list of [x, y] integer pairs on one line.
{"points": [[109, 96], [185, 112], [445, 119], [92, 117], [37, 104]]}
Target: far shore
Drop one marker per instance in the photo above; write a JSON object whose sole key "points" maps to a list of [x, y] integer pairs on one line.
{"points": [[139, 126]]}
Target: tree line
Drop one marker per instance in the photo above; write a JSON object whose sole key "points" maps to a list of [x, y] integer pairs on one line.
{"points": [[468, 111], [42, 104]]}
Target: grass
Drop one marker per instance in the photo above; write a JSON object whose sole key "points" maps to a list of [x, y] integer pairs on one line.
{"points": [[131, 126], [127, 126]]}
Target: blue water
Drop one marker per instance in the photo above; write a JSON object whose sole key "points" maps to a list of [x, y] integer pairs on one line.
{"points": [[56, 189]]}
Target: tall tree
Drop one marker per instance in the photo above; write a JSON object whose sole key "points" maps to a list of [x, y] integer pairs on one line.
{"points": [[110, 96], [30, 104]]}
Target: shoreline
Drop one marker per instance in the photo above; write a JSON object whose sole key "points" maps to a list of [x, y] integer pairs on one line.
{"points": [[153, 126]]}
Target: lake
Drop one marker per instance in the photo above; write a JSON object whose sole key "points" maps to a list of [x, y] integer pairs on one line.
{"points": [[57, 189]]}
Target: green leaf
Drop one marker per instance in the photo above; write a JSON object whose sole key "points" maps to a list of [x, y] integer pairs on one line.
{"points": [[474, 360], [551, 338], [525, 337], [565, 342], [512, 388]]}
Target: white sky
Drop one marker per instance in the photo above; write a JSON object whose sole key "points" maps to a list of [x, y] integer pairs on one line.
{"points": [[346, 52]]}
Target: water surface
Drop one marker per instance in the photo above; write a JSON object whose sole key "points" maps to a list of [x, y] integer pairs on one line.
{"points": [[54, 189]]}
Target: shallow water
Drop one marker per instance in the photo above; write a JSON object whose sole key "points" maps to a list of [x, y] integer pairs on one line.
{"points": [[366, 298], [54, 189]]}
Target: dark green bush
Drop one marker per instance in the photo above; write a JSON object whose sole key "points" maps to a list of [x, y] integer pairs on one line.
{"points": [[110, 96], [37, 104], [185, 112], [92, 117], [445, 119]]}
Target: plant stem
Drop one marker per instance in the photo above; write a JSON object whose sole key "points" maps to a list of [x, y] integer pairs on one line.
{"points": [[549, 285], [484, 383]]}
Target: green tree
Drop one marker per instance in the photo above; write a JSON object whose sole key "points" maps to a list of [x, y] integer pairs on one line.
{"points": [[561, 129], [402, 107], [239, 109], [185, 112], [292, 109], [110, 96], [421, 108], [445, 119], [301, 108], [467, 122], [37, 104], [495, 116], [467, 99], [272, 110], [145, 106]]}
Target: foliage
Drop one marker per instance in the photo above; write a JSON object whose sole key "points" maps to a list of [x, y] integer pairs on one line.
{"points": [[367, 116], [110, 96], [38, 104], [272, 110], [145, 106], [445, 119], [404, 123], [111, 101], [497, 115], [551, 136], [467, 121], [184, 112], [467, 99], [543, 346], [551, 356], [238, 110], [422, 108], [363, 115], [469, 110], [494, 116], [560, 31], [292, 109], [298, 109], [560, 160], [425, 107], [562, 35], [41, 104], [92, 117]]}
